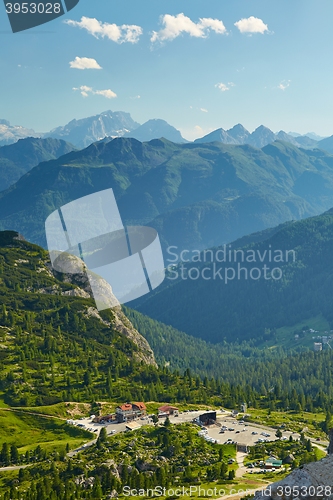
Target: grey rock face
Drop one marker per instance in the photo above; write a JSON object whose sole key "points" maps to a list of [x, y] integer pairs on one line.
{"points": [[313, 481]]}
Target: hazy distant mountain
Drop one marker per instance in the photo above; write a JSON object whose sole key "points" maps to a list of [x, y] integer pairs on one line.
{"points": [[306, 142], [219, 135], [326, 144], [283, 136], [156, 129], [84, 132], [314, 136], [258, 139], [11, 133], [17, 159], [311, 135], [261, 137], [239, 133]]}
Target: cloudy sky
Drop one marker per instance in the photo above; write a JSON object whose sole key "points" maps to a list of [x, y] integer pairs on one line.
{"points": [[199, 64]]}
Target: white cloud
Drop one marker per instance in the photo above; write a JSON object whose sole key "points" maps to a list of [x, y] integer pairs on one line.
{"points": [[224, 87], [84, 63], [109, 94], [175, 26], [119, 34], [85, 91], [252, 25], [284, 85], [195, 132], [204, 110], [136, 97]]}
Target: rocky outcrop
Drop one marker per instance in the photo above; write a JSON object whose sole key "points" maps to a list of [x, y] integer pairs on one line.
{"points": [[144, 466], [113, 494], [86, 483], [121, 324], [111, 464], [76, 273]]}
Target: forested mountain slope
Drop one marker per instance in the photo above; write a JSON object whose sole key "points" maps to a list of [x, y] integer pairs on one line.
{"points": [[225, 302]]}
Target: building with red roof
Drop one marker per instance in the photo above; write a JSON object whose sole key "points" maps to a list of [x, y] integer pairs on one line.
{"points": [[130, 411], [168, 410]]}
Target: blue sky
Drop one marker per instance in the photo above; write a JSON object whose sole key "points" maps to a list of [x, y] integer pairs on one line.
{"points": [[198, 71]]}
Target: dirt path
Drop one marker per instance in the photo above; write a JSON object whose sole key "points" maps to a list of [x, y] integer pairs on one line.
{"points": [[19, 410], [240, 456], [14, 467]]}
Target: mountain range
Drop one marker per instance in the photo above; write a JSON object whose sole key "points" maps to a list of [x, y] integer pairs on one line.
{"points": [[196, 195], [258, 139], [108, 125]]}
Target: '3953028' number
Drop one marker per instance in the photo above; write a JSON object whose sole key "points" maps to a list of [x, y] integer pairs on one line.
{"points": [[33, 8]]}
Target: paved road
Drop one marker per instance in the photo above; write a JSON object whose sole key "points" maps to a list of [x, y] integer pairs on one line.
{"points": [[72, 453]]}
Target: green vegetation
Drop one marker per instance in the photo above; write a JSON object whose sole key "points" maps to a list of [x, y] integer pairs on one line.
{"points": [[57, 360], [313, 424], [268, 378], [293, 453], [165, 455], [53, 350], [26, 431], [60, 358]]}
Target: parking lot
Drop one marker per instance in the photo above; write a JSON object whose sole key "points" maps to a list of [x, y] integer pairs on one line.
{"points": [[243, 433]]}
